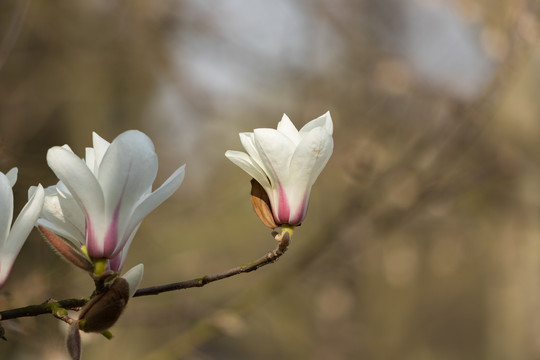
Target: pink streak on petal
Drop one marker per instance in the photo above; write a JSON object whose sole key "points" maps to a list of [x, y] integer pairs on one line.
{"points": [[116, 262], [91, 243], [111, 237], [284, 210]]}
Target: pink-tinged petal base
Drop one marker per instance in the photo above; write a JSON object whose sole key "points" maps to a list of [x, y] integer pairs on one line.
{"points": [[110, 241], [91, 242], [284, 209], [287, 214], [111, 237], [115, 263]]}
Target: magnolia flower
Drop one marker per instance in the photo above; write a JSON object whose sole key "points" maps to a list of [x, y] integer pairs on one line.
{"points": [[11, 241], [100, 201], [285, 163]]}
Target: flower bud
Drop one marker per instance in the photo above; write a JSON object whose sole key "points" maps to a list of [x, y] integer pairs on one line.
{"points": [[285, 162], [102, 311]]}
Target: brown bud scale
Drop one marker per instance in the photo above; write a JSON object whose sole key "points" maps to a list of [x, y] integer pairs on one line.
{"points": [[261, 204], [102, 311]]}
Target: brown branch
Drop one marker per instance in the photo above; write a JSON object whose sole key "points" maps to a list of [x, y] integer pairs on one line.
{"points": [[57, 308]]}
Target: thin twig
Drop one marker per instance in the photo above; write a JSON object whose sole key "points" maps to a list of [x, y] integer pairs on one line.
{"points": [[52, 306]]}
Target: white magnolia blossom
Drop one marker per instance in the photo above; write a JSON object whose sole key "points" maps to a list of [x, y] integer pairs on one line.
{"points": [[12, 240], [101, 200], [286, 162]]}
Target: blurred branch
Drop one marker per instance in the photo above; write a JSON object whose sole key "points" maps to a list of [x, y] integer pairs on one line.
{"points": [[58, 308]]}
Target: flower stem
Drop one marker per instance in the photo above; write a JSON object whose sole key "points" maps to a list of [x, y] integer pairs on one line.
{"points": [[286, 228], [100, 265]]}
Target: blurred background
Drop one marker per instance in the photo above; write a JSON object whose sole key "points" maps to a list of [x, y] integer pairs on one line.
{"points": [[423, 236]]}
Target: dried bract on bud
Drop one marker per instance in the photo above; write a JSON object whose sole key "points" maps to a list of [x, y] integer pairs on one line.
{"points": [[261, 204], [68, 252]]}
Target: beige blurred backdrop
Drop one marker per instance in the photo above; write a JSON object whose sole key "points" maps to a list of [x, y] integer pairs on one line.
{"points": [[422, 240]]}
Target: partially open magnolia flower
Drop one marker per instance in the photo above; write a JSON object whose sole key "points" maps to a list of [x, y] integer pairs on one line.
{"points": [[12, 240], [284, 163], [100, 201]]}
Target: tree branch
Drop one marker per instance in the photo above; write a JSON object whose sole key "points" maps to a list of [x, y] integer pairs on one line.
{"points": [[58, 308], [48, 307]]}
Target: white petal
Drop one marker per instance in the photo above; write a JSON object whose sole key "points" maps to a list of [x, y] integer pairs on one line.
{"points": [[6, 208], [59, 188], [243, 161], [117, 262], [311, 157], [61, 230], [307, 163], [26, 219], [134, 278], [155, 199], [127, 172], [62, 215], [248, 141], [90, 159], [276, 150], [20, 231], [324, 121], [12, 176], [287, 128], [66, 146], [79, 180], [31, 191], [100, 148], [73, 214]]}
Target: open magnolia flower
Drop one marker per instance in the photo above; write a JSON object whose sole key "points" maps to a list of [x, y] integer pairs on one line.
{"points": [[100, 201], [284, 164], [11, 241]]}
